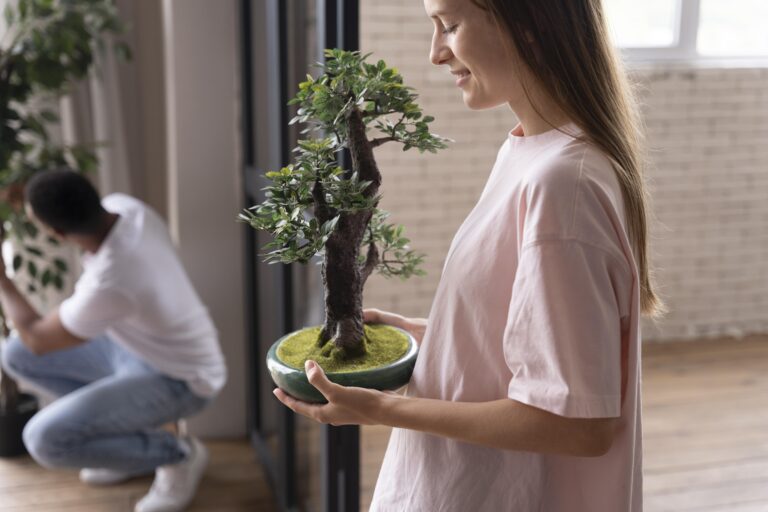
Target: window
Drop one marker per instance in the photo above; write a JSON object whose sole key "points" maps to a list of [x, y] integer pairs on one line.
{"points": [[647, 24], [689, 29], [733, 27]]}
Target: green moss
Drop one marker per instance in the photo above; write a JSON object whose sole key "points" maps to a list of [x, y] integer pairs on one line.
{"points": [[383, 344]]}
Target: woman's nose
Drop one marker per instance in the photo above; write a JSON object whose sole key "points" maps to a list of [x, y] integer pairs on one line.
{"points": [[439, 53]]}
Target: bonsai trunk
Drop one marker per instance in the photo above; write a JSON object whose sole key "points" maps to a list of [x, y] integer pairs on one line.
{"points": [[343, 274]]}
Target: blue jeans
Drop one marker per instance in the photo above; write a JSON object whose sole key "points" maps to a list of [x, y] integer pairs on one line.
{"points": [[110, 408]]}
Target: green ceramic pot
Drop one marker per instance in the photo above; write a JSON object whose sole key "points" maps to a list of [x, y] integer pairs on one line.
{"points": [[294, 382]]}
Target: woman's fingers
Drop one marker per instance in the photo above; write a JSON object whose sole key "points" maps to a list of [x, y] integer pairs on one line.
{"points": [[370, 316], [316, 376], [416, 326], [377, 316]]}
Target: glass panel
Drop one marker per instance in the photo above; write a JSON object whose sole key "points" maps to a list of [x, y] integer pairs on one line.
{"points": [[646, 24], [733, 27], [308, 285]]}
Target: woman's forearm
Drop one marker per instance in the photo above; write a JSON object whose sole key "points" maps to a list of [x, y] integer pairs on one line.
{"points": [[505, 424]]}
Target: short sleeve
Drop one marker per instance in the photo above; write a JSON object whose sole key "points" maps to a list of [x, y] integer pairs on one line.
{"points": [[562, 341], [89, 312]]}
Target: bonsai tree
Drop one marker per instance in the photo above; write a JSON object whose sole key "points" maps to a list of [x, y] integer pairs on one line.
{"points": [[315, 207], [47, 45]]}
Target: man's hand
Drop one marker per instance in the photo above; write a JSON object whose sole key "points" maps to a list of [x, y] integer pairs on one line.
{"points": [[346, 405], [13, 195], [415, 326]]}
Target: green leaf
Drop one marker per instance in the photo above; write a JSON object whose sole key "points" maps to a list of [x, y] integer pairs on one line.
{"points": [[60, 264], [30, 228], [347, 82], [18, 261], [33, 250], [46, 279], [10, 15], [49, 116], [123, 51], [32, 268]]}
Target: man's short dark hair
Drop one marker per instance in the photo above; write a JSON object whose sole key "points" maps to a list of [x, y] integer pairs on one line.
{"points": [[65, 201]]}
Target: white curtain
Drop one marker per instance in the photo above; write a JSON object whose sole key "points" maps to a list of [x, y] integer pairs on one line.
{"points": [[93, 114]]}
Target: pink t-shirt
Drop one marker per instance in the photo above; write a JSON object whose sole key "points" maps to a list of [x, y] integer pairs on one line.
{"points": [[538, 302]]}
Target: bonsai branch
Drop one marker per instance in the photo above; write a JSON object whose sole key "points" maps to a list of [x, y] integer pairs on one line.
{"points": [[381, 140], [371, 260], [323, 212], [392, 138]]}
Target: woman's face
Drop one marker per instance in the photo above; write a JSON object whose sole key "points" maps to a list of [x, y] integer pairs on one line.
{"points": [[478, 55]]}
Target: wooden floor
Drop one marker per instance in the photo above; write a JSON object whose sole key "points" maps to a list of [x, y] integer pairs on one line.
{"points": [[705, 421], [706, 427], [233, 483], [706, 445]]}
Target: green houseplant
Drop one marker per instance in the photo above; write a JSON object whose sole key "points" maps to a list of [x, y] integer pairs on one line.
{"points": [[315, 207], [47, 45]]}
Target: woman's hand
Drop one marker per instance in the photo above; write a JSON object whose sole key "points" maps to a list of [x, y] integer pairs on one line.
{"points": [[415, 326], [346, 405]]}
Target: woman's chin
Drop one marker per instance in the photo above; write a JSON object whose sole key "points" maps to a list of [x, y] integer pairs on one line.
{"points": [[473, 102]]}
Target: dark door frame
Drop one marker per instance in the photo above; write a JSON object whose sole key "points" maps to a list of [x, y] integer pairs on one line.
{"points": [[266, 96]]}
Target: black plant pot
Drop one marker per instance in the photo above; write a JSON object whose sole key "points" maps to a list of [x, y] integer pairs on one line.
{"points": [[12, 424]]}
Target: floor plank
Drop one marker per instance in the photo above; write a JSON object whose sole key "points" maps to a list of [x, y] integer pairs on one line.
{"points": [[705, 420], [233, 482]]}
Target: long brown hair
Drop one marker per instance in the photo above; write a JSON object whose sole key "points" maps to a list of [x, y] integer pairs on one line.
{"points": [[573, 59]]}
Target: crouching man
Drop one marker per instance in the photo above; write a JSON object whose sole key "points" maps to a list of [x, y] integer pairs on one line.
{"points": [[130, 353]]}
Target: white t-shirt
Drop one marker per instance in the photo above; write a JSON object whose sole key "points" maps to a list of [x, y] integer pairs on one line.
{"points": [[538, 302], [135, 290]]}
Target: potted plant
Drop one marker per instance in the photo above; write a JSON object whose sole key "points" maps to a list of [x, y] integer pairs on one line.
{"points": [[47, 45], [316, 207]]}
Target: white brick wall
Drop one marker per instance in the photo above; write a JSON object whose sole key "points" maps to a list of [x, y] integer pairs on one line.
{"points": [[708, 135]]}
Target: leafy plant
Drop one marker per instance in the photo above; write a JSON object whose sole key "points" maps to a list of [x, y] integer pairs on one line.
{"points": [[315, 207], [48, 44]]}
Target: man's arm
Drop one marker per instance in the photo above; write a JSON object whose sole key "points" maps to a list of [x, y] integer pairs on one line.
{"points": [[40, 334]]}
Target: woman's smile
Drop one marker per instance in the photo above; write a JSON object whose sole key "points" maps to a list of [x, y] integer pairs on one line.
{"points": [[462, 76]]}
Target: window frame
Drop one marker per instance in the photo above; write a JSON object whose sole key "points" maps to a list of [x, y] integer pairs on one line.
{"points": [[685, 45]]}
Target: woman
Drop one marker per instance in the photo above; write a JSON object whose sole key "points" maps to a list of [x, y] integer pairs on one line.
{"points": [[526, 393]]}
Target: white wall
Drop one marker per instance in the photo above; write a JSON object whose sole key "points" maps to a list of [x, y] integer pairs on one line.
{"points": [[708, 131], [203, 112]]}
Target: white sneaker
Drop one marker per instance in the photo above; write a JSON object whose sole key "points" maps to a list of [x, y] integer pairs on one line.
{"points": [[175, 485], [101, 476]]}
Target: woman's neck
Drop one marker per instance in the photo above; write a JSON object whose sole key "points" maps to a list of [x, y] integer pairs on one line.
{"points": [[546, 116]]}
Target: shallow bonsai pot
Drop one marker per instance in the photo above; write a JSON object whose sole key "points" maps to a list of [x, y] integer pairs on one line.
{"points": [[12, 424], [390, 377]]}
